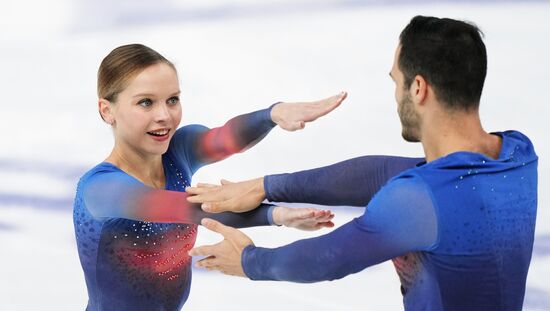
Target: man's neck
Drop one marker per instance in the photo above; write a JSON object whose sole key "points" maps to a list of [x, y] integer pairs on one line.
{"points": [[447, 133]]}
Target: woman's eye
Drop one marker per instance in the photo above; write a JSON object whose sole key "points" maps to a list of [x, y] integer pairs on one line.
{"points": [[173, 100], [145, 102]]}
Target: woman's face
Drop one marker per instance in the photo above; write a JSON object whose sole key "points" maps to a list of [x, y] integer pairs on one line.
{"points": [[148, 111]]}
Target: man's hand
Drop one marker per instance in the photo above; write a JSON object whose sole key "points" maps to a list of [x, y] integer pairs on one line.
{"points": [[228, 197], [307, 219], [293, 116], [226, 255]]}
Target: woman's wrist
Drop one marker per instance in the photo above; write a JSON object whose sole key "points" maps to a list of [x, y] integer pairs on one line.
{"points": [[274, 113], [277, 215]]}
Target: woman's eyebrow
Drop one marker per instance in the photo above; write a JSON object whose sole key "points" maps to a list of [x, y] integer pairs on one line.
{"points": [[144, 95]]}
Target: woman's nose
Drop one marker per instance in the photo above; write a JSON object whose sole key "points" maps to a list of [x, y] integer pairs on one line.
{"points": [[161, 113]]}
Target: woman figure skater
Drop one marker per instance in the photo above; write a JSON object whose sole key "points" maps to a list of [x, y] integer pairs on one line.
{"points": [[132, 221]]}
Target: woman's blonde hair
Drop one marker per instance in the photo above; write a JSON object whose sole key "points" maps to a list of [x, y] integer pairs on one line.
{"points": [[123, 64]]}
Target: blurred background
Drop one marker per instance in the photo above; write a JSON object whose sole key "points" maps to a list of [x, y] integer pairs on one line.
{"points": [[234, 57]]}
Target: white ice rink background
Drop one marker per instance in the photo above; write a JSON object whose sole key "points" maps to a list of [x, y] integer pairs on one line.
{"points": [[235, 57]]}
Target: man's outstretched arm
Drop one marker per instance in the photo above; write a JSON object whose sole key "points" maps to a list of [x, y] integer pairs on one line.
{"points": [[400, 219], [351, 182]]}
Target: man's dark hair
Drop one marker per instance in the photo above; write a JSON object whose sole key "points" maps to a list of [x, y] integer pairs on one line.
{"points": [[449, 54]]}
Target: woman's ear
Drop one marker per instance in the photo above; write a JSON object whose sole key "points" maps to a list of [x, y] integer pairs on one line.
{"points": [[105, 111]]}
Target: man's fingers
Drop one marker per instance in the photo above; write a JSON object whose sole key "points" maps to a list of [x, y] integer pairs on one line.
{"points": [[207, 262], [214, 207], [202, 261], [209, 267], [226, 182], [199, 198], [227, 272], [217, 226], [206, 185], [206, 194], [200, 190], [212, 268], [194, 199], [230, 205], [205, 250]]}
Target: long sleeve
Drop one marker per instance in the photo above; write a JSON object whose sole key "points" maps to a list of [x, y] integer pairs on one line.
{"points": [[351, 182], [260, 216], [199, 145], [400, 218], [114, 194]]}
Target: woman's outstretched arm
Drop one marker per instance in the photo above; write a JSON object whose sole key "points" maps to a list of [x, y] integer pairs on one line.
{"points": [[115, 194], [198, 145]]}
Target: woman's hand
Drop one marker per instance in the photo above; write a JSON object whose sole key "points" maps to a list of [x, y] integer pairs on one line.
{"points": [[307, 219], [293, 116]]}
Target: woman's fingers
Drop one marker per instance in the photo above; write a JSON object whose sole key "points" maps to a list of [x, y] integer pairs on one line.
{"points": [[323, 107]]}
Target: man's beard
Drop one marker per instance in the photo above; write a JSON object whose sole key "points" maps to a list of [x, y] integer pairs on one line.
{"points": [[409, 120]]}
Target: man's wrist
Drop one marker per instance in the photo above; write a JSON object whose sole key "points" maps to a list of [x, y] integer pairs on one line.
{"points": [[245, 258], [258, 188]]}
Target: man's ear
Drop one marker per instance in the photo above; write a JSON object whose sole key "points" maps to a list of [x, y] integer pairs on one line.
{"points": [[419, 90], [105, 111]]}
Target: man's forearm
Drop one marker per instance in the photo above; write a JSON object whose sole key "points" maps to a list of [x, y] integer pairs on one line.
{"points": [[351, 182]]}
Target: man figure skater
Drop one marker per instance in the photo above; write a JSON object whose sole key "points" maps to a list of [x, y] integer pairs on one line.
{"points": [[459, 227]]}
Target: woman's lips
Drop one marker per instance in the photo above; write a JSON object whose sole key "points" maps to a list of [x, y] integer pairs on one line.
{"points": [[159, 135]]}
